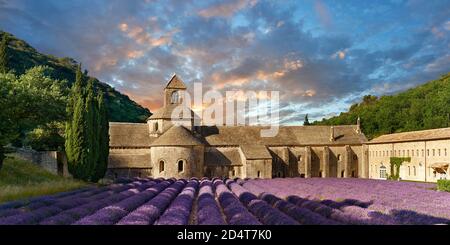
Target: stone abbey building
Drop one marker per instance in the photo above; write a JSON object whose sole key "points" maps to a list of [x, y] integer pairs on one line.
{"points": [[168, 146], [162, 148]]}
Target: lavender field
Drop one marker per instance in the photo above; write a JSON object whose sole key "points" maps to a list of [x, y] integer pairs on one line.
{"points": [[290, 201]]}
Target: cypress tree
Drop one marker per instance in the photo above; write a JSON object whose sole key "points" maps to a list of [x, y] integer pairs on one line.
{"points": [[91, 126], [4, 58], [87, 136], [306, 121], [103, 138], [76, 140]]}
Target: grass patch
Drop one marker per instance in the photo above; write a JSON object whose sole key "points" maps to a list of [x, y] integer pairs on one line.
{"points": [[21, 179], [443, 185]]}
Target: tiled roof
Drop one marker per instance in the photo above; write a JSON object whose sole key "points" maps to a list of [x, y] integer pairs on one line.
{"points": [[175, 83], [255, 152], [287, 135], [430, 134], [129, 135], [176, 136]]}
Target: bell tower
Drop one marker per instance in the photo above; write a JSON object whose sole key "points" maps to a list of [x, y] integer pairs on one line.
{"points": [[174, 91]]}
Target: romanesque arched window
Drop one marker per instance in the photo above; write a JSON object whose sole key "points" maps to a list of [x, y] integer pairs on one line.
{"points": [[180, 165], [155, 126], [175, 98], [161, 165]]}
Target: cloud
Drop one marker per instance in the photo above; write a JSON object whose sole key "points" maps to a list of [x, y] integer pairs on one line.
{"points": [[323, 13], [321, 57], [225, 9]]}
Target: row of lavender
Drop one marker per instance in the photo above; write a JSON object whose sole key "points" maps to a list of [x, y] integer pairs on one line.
{"points": [[181, 202], [363, 201]]}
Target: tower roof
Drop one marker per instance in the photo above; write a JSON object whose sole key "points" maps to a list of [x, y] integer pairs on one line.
{"points": [[175, 83], [176, 136]]}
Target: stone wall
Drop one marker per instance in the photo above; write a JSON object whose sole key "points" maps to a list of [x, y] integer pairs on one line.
{"points": [[165, 161], [52, 161]]}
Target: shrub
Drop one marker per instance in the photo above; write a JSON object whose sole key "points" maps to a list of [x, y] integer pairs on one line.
{"points": [[443, 185]]}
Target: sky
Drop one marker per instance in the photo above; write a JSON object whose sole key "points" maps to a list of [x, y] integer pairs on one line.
{"points": [[322, 56]]}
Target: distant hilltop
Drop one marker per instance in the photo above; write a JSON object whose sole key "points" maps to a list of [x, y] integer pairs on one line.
{"points": [[23, 56], [426, 106]]}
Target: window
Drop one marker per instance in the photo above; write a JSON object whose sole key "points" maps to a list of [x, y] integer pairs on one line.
{"points": [[428, 152], [409, 170], [417, 153], [180, 165], [299, 158], [161, 166], [259, 174], [407, 153], [383, 174], [175, 97], [414, 170], [233, 173], [422, 152], [445, 152], [439, 152], [155, 126], [412, 153], [434, 152], [339, 157]]}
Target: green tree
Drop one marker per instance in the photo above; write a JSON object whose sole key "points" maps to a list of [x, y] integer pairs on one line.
{"points": [[306, 121], [76, 137], [4, 58], [28, 101], [87, 139], [91, 127], [424, 107], [103, 138]]}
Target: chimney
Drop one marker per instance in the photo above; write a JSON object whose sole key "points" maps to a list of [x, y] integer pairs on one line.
{"points": [[331, 133], [358, 126]]}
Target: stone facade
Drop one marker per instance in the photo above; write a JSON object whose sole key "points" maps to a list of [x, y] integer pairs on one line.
{"points": [[429, 151], [169, 145]]}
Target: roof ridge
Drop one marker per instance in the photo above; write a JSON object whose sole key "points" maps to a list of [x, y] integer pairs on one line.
{"points": [[175, 82]]}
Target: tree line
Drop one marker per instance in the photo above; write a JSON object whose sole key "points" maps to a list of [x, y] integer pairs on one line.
{"points": [[424, 107]]}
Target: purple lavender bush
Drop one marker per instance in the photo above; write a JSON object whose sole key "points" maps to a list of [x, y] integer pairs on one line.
{"points": [[233, 209], [148, 213], [179, 211], [208, 212], [112, 213], [266, 213]]}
